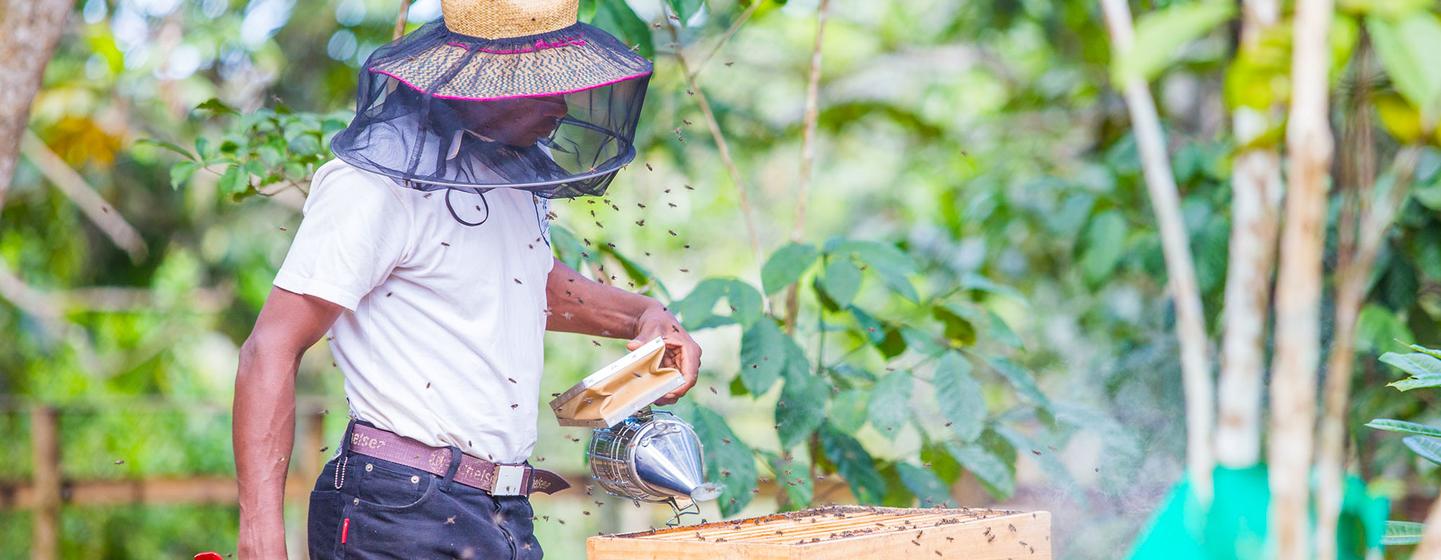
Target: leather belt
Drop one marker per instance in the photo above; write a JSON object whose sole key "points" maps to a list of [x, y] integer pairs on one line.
{"points": [[496, 479]]}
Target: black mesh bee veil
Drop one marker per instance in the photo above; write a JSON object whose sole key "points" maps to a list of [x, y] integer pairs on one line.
{"points": [[552, 113]]}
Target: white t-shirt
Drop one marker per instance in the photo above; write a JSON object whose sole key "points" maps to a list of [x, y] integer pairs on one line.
{"points": [[442, 337]]}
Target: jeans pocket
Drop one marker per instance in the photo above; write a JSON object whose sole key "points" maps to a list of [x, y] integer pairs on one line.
{"points": [[323, 524], [385, 485]]}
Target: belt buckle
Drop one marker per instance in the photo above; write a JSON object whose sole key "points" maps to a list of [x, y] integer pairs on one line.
{"points": [[509, 480]]}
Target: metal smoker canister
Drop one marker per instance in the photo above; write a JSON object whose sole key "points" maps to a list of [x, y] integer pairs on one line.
{"points": [[652, 456]]}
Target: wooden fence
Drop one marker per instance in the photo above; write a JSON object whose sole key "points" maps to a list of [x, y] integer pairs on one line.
{"points": [[49, 489]]}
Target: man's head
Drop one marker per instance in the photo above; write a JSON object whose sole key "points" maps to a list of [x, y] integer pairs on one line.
{"points": [[520, 121]]}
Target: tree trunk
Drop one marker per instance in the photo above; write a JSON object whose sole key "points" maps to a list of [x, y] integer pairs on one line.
{"points": [[32, 28], [1165, 202], [1256, 201], [1293, 406]]}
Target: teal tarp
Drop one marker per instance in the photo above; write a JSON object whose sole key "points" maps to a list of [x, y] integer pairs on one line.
{"points": [[1235, 525]]}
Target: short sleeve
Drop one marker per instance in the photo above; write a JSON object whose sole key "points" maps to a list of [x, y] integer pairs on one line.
{"points": [[351, 238]]}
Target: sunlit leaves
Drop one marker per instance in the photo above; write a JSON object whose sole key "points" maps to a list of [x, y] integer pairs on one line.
{"points": [[786, 266], [959, 396], [1404, 47], [890, 405], [617, 17], [1021, 380], [684, 9], [889, 263], [1160, 36]]}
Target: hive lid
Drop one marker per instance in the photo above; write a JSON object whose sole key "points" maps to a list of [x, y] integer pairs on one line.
{"points": [[619, 389]]}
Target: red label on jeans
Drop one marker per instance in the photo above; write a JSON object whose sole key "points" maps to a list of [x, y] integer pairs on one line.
{"points": [[344, 530]]}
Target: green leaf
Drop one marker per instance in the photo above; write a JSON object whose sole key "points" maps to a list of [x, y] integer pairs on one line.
{"points": [[802, 406], [935, 457], [793, 475], [958, 322], [699, 304], [1415, 363], [1105, 245], [959, 396], [890, 406], [927, 487], [1404, 427], [889, 263], [567, 247], [989, 469], [1428, 448], [786, 266], [1403, 46], [854, 465], [620, 20], [684, 9], [848, 410], [728, 460], [841, 281], [235, 180], [1160, 36], [1377, 328], [165, 146], [638, 273], [181, 172], [886, 339], [215, 106], [1020, 380], [1418, 382], [763, 356], [1002, 333], [745, 302], [1402, 533]]}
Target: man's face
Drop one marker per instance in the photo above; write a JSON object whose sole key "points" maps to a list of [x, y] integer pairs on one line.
{"points": [[517, 122]]}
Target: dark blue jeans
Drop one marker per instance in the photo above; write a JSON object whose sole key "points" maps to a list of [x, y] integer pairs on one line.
{"points": [[378, 509]]}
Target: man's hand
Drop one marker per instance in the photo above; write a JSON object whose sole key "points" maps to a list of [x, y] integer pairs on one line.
{"points": [[681, 351]]}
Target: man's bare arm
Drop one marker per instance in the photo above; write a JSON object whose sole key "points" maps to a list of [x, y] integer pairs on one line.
{"points": [[264, 423], [580, 305]]}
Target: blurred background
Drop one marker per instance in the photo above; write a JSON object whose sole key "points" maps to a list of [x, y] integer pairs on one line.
{"points": [[965, 277]]}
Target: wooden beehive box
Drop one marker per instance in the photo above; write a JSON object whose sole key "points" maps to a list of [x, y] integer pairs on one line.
{"points": [[843, 533]]}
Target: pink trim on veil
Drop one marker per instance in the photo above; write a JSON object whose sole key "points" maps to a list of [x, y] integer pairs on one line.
{"points": [[500, 97]]}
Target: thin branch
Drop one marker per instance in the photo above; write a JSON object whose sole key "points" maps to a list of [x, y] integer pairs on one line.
{"points": [[32, 29], [1165, 202], [1256, 188], [96, 209], [400, 20], [1293, 385], [808, 155], [715, 131], [726, 37], [1352, 280], [1360, 228]]}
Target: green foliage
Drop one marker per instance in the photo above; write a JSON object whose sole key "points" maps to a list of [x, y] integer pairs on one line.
{"points": [[1401, 533], [1424, 440], [1401, 46], [1161, 34]]}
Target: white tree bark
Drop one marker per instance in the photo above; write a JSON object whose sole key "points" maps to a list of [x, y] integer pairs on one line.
{"points": [[1165, 202], [1293, 387], [1430, 547], [32, 28], [1255, 208]]}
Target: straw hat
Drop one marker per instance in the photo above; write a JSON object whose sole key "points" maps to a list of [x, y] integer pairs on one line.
{"points": [[498, 49]]}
